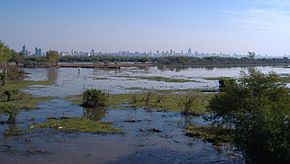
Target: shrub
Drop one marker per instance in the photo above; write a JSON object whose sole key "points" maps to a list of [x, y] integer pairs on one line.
{"points": [[148, 97], [258, 108], [94, 98], [187, 105]]}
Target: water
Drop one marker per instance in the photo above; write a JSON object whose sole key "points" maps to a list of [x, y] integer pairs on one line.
{"points": [[68, 81], [137, 144]]}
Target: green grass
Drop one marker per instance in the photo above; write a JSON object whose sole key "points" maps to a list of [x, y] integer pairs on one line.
{"points": [[28, 102], [170, 102], [24, 101], [21, 84], [78, 125], [211, 134], [160, 78]]}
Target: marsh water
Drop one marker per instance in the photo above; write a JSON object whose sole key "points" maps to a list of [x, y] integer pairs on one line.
{"points": [[137, 143]]}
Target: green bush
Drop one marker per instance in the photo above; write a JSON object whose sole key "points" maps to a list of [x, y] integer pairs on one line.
{"points": [[94, 98], [257, 107]]}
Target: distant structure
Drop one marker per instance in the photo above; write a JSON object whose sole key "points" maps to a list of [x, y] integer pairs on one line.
{"points": [[24, 51], [37, 51], [189, 52]]}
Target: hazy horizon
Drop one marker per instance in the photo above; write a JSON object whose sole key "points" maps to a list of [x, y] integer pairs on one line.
{"points": [[142, 25]]}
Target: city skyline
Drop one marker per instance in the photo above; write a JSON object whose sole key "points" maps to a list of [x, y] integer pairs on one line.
{"points": [[112, 26]]}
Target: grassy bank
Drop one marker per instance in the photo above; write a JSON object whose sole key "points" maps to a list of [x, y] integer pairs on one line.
{"points": [[20, 100]]}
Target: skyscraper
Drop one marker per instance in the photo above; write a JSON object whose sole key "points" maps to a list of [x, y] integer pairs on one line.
{"points": [[189, 52], [37, 51], [24, 51]]}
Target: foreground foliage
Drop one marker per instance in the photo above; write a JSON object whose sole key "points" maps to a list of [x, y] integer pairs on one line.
{"points": [[78, 125], [258, 108]]}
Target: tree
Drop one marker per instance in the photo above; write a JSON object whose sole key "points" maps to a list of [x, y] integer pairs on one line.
{"points": [[258, 108], [18, 58], [5, 54], [52, 57]]}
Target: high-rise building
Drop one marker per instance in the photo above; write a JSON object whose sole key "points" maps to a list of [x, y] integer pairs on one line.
{"points": [[189, 52], [37, 51], [24, 51]]}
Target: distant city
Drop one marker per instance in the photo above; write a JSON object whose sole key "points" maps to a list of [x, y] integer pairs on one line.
{"points": [[189, 53]]}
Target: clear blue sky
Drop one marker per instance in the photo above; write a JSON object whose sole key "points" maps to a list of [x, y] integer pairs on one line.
{"points": [[226, 26]]}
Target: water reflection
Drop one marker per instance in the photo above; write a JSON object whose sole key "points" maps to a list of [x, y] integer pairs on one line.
{"points": [[95, 114], [52, 74]]}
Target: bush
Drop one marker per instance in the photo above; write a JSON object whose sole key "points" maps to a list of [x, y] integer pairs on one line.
{"points": [[188, 104], [257, 107], [94, 98]]}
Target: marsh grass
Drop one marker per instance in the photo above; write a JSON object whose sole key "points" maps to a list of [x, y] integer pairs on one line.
{"points": [[147, 97], [78, 125], [170, 101], [159, 98]]}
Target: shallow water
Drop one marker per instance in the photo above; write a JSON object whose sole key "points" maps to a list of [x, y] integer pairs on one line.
{"points": [[68, 81], [137, 144]]}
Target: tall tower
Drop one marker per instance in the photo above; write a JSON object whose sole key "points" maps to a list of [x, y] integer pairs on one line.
{"points": [[189, 52], [36, 51], [24, 51]]}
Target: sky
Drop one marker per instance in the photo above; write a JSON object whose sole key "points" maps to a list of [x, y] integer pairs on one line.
{"points": [[226, 26]]}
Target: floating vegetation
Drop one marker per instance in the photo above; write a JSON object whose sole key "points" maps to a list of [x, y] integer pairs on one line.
{"points": [[78, 125]]}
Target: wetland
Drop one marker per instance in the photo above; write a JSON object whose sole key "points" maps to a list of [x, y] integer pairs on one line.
{"points": [[144, 119]]}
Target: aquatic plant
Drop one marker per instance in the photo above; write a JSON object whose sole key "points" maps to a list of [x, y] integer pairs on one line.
{"points": [[94, 98]]}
